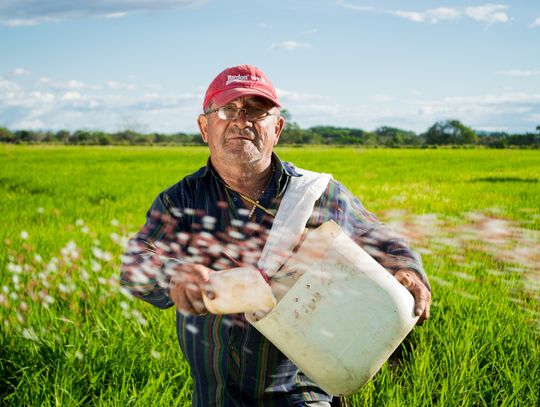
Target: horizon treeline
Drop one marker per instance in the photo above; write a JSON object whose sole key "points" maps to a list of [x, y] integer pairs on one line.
{"points": [[447, 132]]}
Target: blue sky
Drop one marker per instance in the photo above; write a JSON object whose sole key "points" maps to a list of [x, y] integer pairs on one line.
{"points": [[145, 64]]}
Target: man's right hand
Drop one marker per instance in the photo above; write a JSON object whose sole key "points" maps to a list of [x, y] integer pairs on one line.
{"points": [[186, 286]]}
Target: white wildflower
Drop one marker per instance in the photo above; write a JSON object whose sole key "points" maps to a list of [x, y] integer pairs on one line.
{"points": [[14, 268], [29, 333], [48, 299], [24, 235]]}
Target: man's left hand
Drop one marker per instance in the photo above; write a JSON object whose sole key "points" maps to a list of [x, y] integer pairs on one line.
{"points": [[422, 296]]}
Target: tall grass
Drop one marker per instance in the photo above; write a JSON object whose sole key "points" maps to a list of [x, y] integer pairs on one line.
{"points": [[69, 336]]}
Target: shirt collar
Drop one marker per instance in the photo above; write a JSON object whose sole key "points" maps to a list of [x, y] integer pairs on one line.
{"points": [[281, 168]]}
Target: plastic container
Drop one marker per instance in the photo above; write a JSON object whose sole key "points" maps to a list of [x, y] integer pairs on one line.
{"points": [[241, 289], [342, 316]]}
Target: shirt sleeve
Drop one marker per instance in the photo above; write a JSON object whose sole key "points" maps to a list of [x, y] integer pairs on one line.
{"points": [[376, 238], [144, 265]]}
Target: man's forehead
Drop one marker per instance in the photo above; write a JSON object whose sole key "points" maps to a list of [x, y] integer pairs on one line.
{"points": [[250, 100]]}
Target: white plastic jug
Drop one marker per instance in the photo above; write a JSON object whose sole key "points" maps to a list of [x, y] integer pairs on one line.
{"points": [[343, 316], [241, 289]]}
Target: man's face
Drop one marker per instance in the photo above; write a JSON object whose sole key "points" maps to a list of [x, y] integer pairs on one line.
{"points": [[241, 140]]}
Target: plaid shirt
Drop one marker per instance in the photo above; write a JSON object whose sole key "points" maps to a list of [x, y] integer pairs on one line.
{"points": [[196, 220]]}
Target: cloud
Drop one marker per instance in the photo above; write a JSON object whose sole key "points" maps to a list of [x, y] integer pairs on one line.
{"points": [[488, 13], [119, 86], [16, 13], [383, 98], [520, 73], [535, 23], [507, 111], [430, 16], [288, 96], [51, 104], [311, 31], [71, 84], [20, 72], [354, 6], [290, 45], [77, 105]]}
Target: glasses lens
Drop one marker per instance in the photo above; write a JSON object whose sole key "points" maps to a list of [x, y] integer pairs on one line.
{"points": [[254, 113], [232, 112], [228, 112]]}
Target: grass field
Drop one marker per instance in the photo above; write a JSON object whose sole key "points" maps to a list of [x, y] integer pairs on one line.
{"points": [[70, 337]]}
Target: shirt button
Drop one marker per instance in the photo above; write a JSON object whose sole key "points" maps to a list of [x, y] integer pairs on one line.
{"points": [[231, 382], [231, 348], [235, 199]]}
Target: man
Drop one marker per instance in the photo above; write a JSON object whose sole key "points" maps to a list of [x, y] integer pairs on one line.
{"points": [[219, 218]]}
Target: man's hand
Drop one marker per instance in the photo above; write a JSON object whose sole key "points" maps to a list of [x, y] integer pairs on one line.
{"points": [[186, 286], [422, 297]]}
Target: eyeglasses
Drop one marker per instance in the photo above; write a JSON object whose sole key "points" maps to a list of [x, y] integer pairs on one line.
{"points": [[231, 112]]}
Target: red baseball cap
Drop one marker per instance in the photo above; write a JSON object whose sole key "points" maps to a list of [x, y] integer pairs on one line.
{"points": [[241, 80]]}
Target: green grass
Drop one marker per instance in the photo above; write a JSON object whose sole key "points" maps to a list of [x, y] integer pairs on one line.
{"points": [[69, 337]]}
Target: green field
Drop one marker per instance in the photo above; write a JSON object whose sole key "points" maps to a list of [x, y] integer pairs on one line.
{"points": [[70, 337]]}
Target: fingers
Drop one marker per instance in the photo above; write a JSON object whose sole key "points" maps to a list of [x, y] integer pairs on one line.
{"points": [[186, 287], [194, 296], [422, 296]]}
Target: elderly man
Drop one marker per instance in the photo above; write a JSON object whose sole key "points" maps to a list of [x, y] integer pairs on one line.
{"points": [[218, 218]]}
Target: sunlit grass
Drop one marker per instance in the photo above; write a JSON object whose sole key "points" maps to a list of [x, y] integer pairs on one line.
{"points": [[69, 336]]}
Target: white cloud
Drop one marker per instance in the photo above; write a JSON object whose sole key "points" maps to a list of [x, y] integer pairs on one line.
{"points": [[71, 84], [26, 22], [509, 111], [430, 16], [71, 96], [520, 72], [535, 23], [20, 72], [16, 13], [287, 96], [354, 6], [383, 98], [488, 13], [73, 104], [290, 45], [40, 106], [115, 15], [119, 86], [8, 88]]}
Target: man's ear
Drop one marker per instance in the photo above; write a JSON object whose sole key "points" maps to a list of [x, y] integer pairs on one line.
{"points": [[202, 121], [280, 123]]}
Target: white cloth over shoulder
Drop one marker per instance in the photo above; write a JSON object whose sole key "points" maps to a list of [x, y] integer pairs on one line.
{"points": [[293, 213]]}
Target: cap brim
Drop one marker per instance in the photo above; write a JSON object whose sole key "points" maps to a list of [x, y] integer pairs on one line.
{"points": [[231, 94]]}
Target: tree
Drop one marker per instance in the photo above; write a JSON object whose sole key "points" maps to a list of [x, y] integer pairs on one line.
{"points": [[392, 136], [450, 132], [6, 136]]}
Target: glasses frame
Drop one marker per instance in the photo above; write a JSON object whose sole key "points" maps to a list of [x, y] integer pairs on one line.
{"points": [[221, 114]]}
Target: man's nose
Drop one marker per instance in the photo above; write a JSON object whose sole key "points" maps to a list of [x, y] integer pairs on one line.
{"points": [[242, 120]]}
